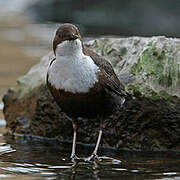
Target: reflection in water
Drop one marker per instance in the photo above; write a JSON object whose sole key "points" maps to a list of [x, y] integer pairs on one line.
{"points": [[32, 159], [95, 170]]}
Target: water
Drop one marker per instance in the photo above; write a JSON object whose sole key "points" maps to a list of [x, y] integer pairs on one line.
{"points": [[24, 158]]}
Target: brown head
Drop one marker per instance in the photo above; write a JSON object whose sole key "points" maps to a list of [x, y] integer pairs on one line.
{"points": [[66, 32]]}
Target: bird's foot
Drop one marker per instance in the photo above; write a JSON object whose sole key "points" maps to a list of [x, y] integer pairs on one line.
{"points": [[93, 156], [74, 157]]}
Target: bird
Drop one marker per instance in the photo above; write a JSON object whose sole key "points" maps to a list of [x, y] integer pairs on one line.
{"points": [[83, 83]]}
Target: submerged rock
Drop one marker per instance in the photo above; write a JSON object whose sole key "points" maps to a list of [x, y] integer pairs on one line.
{"points": [[150, 120]]}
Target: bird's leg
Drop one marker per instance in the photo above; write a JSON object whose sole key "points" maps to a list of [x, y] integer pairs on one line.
{"points": [[94, 154], [73, 155]]}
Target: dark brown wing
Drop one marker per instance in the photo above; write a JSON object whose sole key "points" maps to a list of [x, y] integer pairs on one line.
{"points": [[108, 77]]}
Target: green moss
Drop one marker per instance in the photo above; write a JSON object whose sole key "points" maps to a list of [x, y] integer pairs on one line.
{"points": [[133, 88], [152, 64], [136, 68], [146, 91], [123, 51]]}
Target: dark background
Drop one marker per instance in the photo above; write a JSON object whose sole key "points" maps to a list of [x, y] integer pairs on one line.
{"points": [[117, 17]]}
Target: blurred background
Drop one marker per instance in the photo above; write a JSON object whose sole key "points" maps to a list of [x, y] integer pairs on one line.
{"points": [[27, 26]]}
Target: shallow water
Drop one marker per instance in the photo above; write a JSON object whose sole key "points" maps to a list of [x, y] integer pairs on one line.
{"points": [[24, 158]]}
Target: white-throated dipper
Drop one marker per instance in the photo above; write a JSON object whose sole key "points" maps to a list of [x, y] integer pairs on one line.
{"points": [[82, 83]]}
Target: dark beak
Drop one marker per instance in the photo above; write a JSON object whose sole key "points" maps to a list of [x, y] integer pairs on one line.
{"points": [[73, 37]]}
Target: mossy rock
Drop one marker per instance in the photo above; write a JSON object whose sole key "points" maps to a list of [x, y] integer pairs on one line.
{"points": [[149, 120]]}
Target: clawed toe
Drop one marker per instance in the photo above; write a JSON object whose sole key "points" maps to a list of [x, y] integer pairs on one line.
{"points": [[74, 157], [93, 157]]}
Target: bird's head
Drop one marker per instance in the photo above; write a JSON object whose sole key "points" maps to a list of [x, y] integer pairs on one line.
{"points": [[67, 40]]}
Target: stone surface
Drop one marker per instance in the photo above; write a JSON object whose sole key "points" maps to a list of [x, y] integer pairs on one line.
{"points": [[150, 120]]}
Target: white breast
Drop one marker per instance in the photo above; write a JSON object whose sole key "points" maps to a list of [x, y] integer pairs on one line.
{"points": [[75, 73]]}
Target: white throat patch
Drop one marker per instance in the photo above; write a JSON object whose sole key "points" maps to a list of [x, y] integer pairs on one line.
{"points": [[73, 72], [69, 48]]}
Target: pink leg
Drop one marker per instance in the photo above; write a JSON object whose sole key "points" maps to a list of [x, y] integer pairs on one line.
{"points": [[94, 154], [73, 154]]}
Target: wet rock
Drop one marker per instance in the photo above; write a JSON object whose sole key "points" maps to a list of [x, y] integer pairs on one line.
{"points": [[150, 120]]}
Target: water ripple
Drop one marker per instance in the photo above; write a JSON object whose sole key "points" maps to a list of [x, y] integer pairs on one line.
{"points": [[36, 160], [5, 176], [6, 148], [59, 167], [170, 173]]}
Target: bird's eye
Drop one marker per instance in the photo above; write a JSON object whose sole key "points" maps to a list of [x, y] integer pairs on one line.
{"points": [[60, 35]]}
